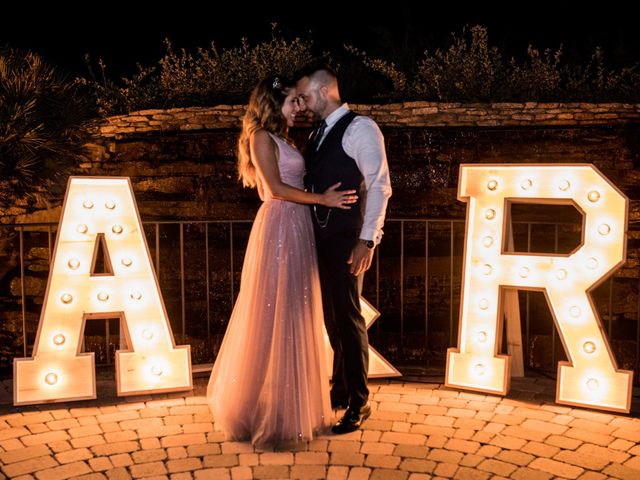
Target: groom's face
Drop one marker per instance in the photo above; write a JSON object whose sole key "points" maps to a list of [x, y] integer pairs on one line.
{"points": [[310, 97]]}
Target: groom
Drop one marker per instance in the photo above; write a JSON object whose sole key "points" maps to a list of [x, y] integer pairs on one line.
{"points": [[346, 148]]}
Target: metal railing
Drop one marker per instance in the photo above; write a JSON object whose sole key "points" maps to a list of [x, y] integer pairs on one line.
{"points": [[396, 321]]}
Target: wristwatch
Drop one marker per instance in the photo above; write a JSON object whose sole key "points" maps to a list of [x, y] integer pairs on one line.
{"points": [[369, 243]]}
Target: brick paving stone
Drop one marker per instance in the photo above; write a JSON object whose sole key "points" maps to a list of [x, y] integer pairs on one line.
{"points": [[488, 451], [563, 442], [344, 446], [413, 451], [591, 462], [620, 444], [46, 437], [99, 464], [115, 448], [620, 471], [279, 458], [385, 474], [147, 456], [633, 462], [417, 465], [513, 456], [119, 473], [121, 460], [462, 446], [437, 441], [24, 453], [351, 459], [405, 438], [311, 458], [540, 449], [270, 471], [497, 467], [598, 451], [64, 471], [359, 473], [592, 426], [183, 465], [75, 455], [466, 473], [592, 476], [512, 443], [335, 472], [200, 450], [148, 469], [382, 461], [507, 419], [430, 430], [448, 456], [554, 467], [28, 466], [309, 472], [471, 460], [229, 460], [446, 470], [587, 436], [237, 473]]}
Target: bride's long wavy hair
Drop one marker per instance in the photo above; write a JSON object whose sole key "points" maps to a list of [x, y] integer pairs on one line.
{"points": [[263, 112]]}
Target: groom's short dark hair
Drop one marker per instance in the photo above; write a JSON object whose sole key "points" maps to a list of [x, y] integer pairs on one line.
{"points": [[310, 68]]}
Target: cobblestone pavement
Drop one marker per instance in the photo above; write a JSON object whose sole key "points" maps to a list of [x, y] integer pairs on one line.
{"points": [[417, 431]]}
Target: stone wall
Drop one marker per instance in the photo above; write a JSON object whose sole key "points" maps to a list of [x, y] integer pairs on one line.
{"points": [[182, 166]]}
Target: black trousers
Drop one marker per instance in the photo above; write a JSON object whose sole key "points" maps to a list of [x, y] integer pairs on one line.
{"points": [[343, 320]]}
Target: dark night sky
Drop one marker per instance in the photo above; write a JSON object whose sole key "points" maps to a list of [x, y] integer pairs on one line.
{"points": [[123, 36]]}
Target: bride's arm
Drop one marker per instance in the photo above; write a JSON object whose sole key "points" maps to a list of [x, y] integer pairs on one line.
{"points": [[264, 153]]}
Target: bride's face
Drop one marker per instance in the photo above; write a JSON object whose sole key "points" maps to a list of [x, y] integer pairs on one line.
{"points": [[290, 107]]}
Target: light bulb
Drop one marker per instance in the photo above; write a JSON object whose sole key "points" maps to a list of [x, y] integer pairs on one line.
{"points": [[59, 339], [479, 369], [156, 370], [564, 185], [51, 378], [87, 204], [604, 229], [103, 296], [526, 184], [136, 295], [575, 311], [73, 263], [489, 214], [487, 241], [110, 205], [487, 269], [593, 196], [524, 272], [561, 274], [117, 229], [592, 263], [66, 298], [147, 334], [481, 336], [483, 304], [593, 384], [589, 347], [492, 185], [82, 228], [126, 261]]}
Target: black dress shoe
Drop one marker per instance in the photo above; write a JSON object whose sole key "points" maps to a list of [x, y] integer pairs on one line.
{"points": [[352, 419]]}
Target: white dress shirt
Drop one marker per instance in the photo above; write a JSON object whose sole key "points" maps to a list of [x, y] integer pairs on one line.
{"points": [[363, 141]]}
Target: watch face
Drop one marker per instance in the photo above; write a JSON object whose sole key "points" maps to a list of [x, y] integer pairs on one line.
{"points": [[370, 244]]}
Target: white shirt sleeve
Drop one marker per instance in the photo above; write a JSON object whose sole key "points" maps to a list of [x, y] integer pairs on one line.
{"points": [[363, 141]]}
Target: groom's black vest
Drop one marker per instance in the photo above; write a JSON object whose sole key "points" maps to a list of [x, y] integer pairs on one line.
{"points": [[328, 166]]}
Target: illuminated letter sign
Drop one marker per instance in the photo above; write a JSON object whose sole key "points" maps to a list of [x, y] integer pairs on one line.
{"points": [[101, 213], [590, 377]]}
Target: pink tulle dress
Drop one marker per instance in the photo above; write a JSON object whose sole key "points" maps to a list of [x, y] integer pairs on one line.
{"points": [[269, 382]]}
